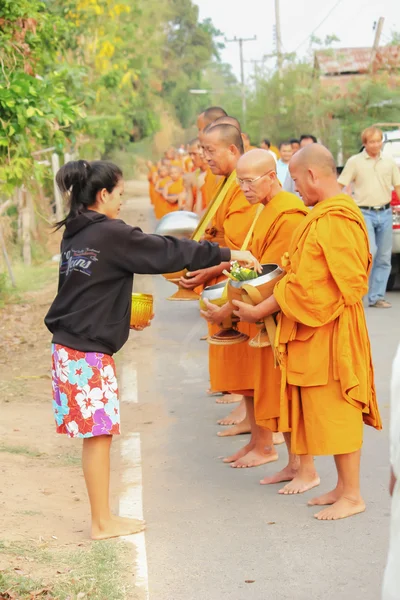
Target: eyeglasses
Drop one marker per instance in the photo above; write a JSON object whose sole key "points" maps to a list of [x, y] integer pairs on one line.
{"points": [[251, 182]]}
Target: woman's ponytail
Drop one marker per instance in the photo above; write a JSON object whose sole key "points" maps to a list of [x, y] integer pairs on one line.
{"points": [[80, 180]]}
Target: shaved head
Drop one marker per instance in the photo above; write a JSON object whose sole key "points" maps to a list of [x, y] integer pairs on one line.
{"points": [[256, 171], [226, 121], [316, 156], [226, 134], [313, 170], [222, 147], [209, 116]]}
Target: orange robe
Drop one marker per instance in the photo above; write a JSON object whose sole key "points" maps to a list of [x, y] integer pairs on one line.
{"points": [[271, 239], [231, 366], [150, 176], [159, 199], [173, 188], [209, 187], [328, 382]]}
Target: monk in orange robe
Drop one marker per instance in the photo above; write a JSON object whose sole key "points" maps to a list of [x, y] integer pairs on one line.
{"points": [[230, 366], [322, 338], [159, 200], [281, 215], [174, 194], [247, 143]]}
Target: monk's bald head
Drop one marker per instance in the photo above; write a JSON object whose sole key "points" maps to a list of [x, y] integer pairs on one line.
{"points": [[226, 121], [209, 116], [316, 156], [222, 147], [313, 170], [256, 172]]}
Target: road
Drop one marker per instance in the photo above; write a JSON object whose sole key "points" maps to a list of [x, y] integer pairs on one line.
{"points": [[213, 532]]}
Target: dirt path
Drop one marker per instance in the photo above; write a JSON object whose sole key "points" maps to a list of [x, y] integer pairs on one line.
{"points": [[43, 503]]}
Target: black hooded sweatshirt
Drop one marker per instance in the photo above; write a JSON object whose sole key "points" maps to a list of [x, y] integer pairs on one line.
{"points": [[99, 257]]}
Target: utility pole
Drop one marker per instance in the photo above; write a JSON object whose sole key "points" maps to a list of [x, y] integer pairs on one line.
{"points": [[240, 42], [278, 36], [378, 33]]}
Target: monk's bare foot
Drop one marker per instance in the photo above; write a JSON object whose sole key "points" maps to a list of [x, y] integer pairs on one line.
{"points": [[255, 458], [300, 484], [229, 399], [239, 429], [116, 527], [277, 438], [235, 417], [326, 499], [343, 508], [240, 453], [287, 474]]}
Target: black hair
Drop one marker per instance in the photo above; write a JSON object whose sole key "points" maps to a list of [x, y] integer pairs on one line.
{"points": [[80, 180], [284, 143], [294, 141], [307, 136], [267, 142]]}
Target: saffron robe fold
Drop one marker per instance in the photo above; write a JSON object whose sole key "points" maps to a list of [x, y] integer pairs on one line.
{"points": [[230, 366], [322, 336], [271, 239]]}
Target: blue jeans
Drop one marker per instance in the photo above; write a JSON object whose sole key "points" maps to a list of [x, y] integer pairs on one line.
{"points": [[379, 226]]}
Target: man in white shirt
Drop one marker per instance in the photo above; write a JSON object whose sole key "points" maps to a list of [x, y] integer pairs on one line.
{"points": [[374, 176], [391, 583], [282, 165]]}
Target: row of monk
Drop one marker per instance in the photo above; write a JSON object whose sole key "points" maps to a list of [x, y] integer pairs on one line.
{"points": [[322, 391], [182, 179]]}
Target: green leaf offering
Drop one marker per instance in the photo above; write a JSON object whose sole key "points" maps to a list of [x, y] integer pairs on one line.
{"points": [[242, 273]]}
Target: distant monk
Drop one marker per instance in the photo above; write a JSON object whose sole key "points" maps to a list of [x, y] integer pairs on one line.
{"points": [[172, 157], [230, 369], [196, 191], [247, 143], [174, 191], [322, 336], [162, 179], [274, 228]]}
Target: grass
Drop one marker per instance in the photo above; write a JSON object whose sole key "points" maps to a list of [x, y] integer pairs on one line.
{"points": [[21, 450], [95, 571], [28, 279]]}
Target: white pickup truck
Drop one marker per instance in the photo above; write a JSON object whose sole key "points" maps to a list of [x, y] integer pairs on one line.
{"points": [[391, 147]]}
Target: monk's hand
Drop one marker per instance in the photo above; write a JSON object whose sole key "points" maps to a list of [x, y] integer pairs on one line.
{"points": [[244, 257], [246, 312], [141, 327], [216, 314]]}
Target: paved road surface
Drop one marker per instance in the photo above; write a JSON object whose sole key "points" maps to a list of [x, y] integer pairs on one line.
{"points": [[212, 528]]}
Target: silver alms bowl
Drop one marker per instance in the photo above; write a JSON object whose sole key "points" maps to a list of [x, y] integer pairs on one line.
{"points": [[180, 224]]}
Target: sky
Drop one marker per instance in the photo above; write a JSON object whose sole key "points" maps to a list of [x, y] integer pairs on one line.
{"points": [[350, 20]]}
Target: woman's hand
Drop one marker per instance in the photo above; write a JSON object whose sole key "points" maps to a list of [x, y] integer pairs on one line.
{"points": [[141, 327], [244, 257], [216, 314], [246, 312]]}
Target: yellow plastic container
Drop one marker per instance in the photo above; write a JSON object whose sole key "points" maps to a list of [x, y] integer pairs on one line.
{"points": [[142, 309]]}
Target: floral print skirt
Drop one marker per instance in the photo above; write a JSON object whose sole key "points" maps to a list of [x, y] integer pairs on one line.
{"points": [[85, 393]]}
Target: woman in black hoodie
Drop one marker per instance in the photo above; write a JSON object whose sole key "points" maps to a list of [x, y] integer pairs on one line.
{"points": [[90, 316]]}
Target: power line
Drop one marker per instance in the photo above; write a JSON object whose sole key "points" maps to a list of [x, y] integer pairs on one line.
{"points": [[318, 26]]}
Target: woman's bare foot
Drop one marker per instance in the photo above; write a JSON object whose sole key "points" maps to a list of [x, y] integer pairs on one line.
{"points": [[326, 499], [116, 527], [242, 427], [343, 508], [229, 398], [300, 484], [256, 458], [278, 438], [237, 415], [287, 474], [240, 453]]}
